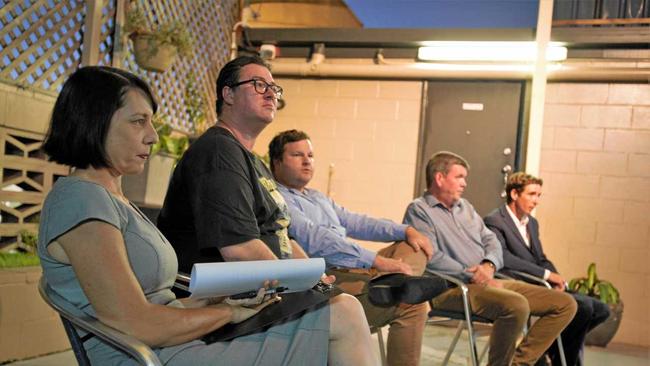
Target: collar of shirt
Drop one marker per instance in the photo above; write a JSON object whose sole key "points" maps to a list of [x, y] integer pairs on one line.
{"points": [[520, 224], [432, 201], [306, 192]]}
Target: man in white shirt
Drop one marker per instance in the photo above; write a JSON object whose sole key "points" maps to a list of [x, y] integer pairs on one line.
{"points": [[518, 233]]}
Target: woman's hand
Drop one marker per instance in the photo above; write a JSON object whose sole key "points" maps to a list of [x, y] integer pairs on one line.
{"points": [[261, 297], [242, 312], [328, 279]]}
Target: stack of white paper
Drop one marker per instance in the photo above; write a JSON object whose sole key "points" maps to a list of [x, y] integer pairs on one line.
{"points": [[229, 278]]}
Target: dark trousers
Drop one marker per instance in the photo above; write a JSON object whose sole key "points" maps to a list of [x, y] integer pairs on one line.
{"points": [[591, 312]]}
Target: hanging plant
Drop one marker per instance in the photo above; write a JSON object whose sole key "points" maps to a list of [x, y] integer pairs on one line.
{"points": [[156, 49]]}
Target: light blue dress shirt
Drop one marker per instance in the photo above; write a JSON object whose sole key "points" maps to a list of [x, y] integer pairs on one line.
{"points": [[459, 237], [322, 228]]}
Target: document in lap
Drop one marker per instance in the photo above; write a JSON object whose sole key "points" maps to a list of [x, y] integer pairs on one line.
{"points": [[229, 278], [299, 279]]}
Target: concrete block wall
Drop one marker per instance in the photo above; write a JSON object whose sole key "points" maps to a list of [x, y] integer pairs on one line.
{"points": [[28, 326], [25, 110], [365, 131], [596, 199]]}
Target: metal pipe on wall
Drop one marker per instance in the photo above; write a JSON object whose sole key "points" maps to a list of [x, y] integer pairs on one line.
{"points": [[568, 71]]}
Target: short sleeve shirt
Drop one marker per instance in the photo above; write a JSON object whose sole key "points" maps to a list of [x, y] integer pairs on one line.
{"points": [[221, 194], [73, 201]]}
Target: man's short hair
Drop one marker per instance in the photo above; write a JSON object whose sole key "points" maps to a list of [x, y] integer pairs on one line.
{"points": [[441, 162], [229, 75], [276, 146], [518, 181], [83, 111]]}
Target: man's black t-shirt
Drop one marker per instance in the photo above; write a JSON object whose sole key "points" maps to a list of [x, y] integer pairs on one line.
{"points": [[221, 194]]}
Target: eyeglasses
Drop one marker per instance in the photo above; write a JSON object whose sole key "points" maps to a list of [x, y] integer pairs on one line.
{"points": [[261, 86]]}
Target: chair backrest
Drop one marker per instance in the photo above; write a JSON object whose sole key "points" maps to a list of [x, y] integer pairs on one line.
{"points": [[73, 320]]}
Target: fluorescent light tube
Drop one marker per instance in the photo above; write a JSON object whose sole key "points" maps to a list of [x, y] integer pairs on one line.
{"points": [[488, 51]]}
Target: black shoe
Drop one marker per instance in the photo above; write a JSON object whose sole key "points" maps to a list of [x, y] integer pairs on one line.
{"points": [[395, 288]]}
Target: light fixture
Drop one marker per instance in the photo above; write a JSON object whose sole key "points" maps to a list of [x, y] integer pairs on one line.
{"points": [[488, 51]]}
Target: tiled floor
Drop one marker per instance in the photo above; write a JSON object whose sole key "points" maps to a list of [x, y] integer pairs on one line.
{"points": [[436, 341], [438, 338]]}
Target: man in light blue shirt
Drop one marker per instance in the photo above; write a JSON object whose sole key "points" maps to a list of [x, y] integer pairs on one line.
{"points": [[323, 229]]}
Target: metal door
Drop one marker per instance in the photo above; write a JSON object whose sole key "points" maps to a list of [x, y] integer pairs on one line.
{"points": [[479, 121]]}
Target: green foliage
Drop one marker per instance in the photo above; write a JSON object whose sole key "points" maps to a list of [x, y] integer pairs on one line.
{"points": [[168, 143], [29, 240], [594, 287], [176, 33], [173, 33], [18, 259], [24, 254], [195, 104], [136, 22]]}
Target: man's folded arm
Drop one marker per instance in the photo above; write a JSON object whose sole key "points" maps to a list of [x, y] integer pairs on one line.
{"points": [[442, 262], [322, 241], [364, 227]]}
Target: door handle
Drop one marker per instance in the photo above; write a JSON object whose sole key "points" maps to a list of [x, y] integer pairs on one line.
{"points": [[506, 171]]}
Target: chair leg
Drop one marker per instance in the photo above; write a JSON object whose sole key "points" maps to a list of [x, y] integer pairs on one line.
{"points": [[560, 347], [484, 352], [76, 343], [470, 328], [382, 347], [454, 342]]}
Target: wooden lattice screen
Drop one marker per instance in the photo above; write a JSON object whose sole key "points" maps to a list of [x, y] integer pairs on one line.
{"points": [[210, 23], [42, 42]]}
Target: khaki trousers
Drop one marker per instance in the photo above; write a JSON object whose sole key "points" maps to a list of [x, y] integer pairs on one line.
{"points": [[509, 307], [406, 321]]}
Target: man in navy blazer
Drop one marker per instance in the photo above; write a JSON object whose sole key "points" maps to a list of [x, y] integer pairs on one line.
{"points": [[518, 233]]}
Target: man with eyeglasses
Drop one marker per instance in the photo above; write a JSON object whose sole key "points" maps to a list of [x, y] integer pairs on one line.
{"points": [[222, 203]]}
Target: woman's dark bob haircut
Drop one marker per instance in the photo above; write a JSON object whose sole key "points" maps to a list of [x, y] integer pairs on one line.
{"points": [[83, 111]]}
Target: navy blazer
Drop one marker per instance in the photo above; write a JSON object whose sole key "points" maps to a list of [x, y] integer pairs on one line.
{"points": [[516, 254]]}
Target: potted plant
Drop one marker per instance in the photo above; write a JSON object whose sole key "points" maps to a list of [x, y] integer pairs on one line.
{"points": [[170, 142], [156, 49], [607, 293]]}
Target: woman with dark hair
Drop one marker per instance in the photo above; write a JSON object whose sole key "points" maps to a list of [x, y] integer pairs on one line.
{"points": [[100, 253]]}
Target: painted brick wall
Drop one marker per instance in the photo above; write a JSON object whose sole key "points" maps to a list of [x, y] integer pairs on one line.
{"points": [[366, 130], [596, 202]]}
